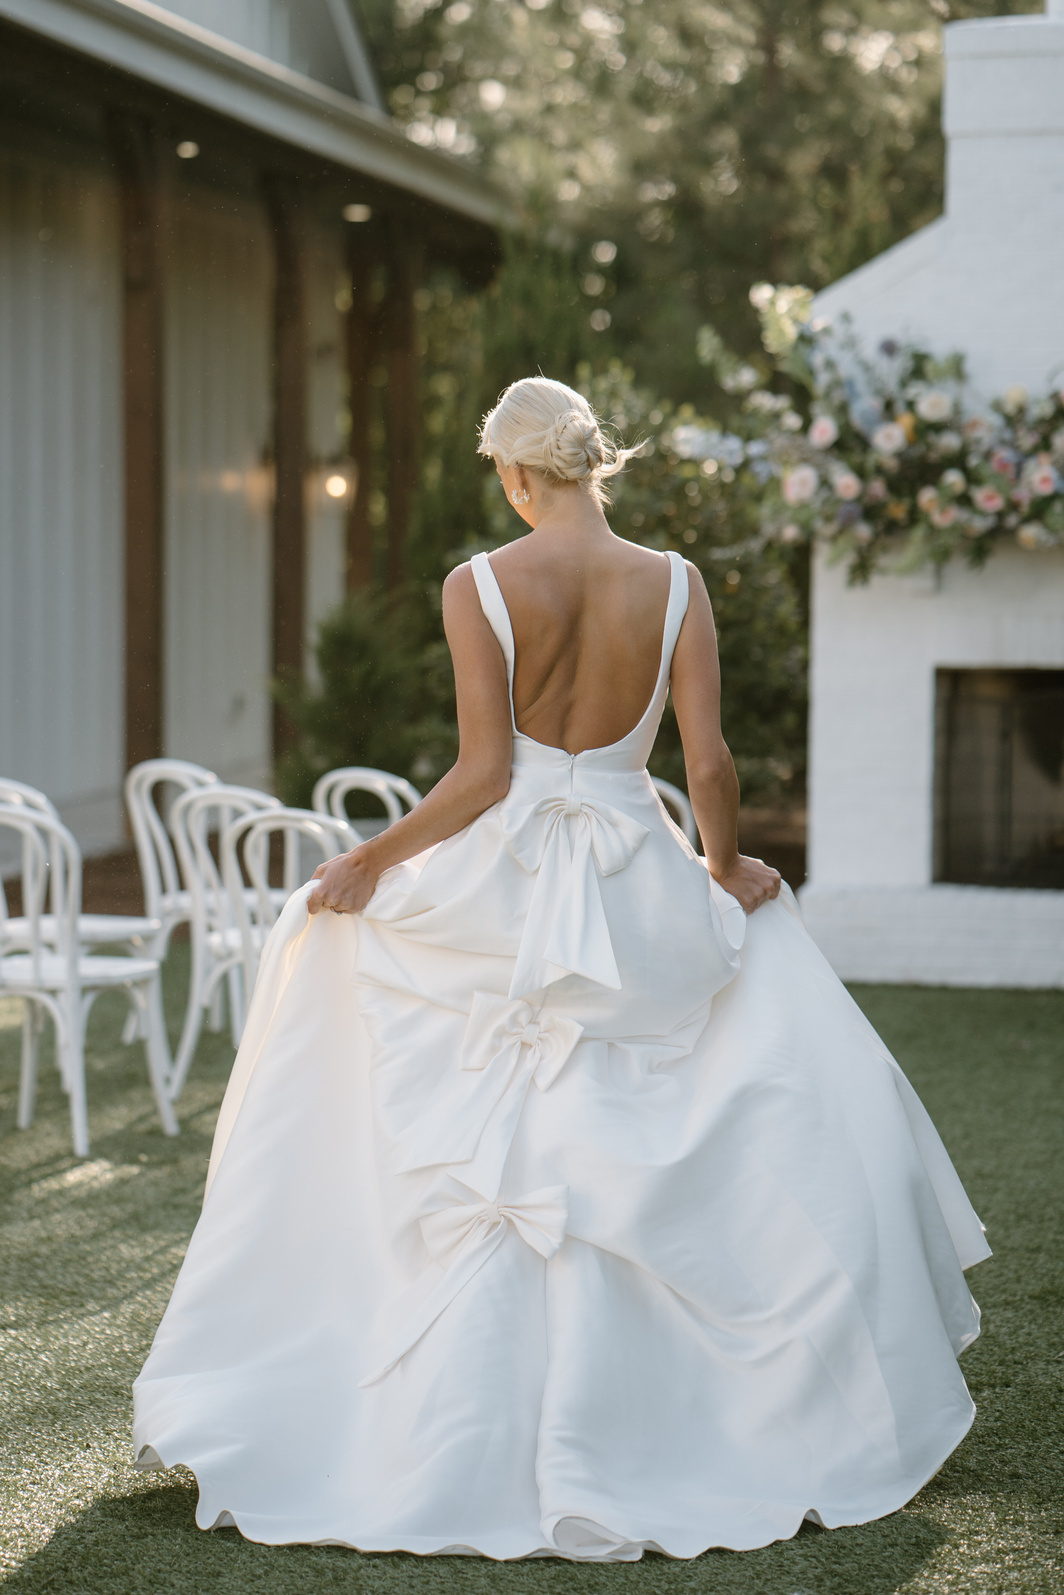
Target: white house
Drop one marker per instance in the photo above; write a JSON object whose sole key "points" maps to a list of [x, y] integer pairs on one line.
{"points": [[936, 831], [211, 237]]}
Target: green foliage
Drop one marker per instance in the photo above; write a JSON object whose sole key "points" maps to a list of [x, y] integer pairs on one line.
{"points": [[711, 145], [384, 697]]}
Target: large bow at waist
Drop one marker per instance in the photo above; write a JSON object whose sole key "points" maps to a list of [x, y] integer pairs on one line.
{"points": [[506, 1046], [461, 1233], [568, 842]]}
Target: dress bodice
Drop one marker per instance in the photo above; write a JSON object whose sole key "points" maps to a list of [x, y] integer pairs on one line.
{"points": [[633, 750]]}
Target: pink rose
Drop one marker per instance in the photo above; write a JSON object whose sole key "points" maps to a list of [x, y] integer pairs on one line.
{"points": [[823, 432], [847, 485], [1043, 480], [988, 499]]}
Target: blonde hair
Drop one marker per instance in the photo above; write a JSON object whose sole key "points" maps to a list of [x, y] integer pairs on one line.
{"points": [[550, 428]]}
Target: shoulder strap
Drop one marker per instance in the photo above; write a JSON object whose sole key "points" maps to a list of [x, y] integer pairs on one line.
{"points": [[679, 598], [495, 611]]}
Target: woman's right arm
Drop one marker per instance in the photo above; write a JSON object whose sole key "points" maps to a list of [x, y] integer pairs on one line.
{"points": [[479, 777], [712, 784]]}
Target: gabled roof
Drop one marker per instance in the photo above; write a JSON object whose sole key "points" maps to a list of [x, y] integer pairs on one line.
{"points": [[167, 47]]}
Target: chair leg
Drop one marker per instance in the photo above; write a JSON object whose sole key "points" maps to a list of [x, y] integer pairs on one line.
{"points": [[132, 1027], [190, 1031], [216, 1012], [73, 1044], [235, 982], [158, 1053], [27, 1085]]}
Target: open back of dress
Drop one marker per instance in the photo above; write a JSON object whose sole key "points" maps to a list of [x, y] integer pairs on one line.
{"points": [[548, 1217]]}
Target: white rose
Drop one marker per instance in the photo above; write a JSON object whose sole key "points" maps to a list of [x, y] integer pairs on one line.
{"points": [[847, 485], [934, 405], [889, 438], [800, 484]]}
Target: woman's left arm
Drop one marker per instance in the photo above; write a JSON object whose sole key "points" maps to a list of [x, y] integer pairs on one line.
{"points": [[479, 778]]}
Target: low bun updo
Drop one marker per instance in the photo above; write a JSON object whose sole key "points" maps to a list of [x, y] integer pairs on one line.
{"points": [[550, 428]]}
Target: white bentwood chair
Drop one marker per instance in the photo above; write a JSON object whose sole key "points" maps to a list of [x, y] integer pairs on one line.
{"points": [[333, 788], [246, 869], [139, 932], [55, 975], [217, 954], [166, 898], [679, 805]]}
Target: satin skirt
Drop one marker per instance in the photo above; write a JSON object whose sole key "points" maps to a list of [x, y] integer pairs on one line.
{"points": [[557, 1209]]}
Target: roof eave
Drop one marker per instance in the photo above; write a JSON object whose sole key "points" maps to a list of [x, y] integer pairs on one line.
{"points": [[160, 48]]}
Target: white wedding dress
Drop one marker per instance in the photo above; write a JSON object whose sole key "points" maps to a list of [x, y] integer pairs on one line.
{"points": [[540, 1222]]}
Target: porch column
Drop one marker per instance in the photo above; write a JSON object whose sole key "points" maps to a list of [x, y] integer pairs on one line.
{"points": [[133, 148], [360, 330], [284, 209], [403, 402]]}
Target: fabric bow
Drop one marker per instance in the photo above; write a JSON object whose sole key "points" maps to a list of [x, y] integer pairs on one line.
{"points": [[499, 1028], [506, 1045], [567, 843], [461, 1234]]}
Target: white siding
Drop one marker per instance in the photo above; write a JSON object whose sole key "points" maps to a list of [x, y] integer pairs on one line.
{"points": [[299, 34], [60, 489], [217, 617]]}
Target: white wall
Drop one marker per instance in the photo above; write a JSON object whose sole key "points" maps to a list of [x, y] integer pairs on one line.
{"points": [[217, 405], [875, 650], [61, 628]]}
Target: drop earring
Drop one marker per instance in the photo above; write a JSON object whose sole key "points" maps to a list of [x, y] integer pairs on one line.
{"points": [[520, 498]]}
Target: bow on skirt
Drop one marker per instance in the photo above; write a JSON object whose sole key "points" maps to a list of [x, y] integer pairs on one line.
{"points": [[567, 843], [507, 1046], [461, 1233]]}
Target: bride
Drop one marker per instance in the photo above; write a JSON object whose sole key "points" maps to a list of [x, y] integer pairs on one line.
{"points": [[562, 1203]]}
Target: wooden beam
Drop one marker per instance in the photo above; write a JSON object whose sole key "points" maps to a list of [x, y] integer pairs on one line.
{"points": [[361, 329], [133, 147], [285, 212], [403, 398]]}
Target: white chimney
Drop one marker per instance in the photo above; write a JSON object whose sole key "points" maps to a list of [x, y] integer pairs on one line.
{"points": [[987, 278]]}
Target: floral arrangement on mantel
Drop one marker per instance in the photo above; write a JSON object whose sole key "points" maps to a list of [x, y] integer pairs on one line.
{"points": [[888, 463]]}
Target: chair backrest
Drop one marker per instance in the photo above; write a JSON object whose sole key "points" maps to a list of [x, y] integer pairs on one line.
{"points": [[680, 805], [247, 841], [18, 794], [333, 788], [158, 867], [195, 815], [50, 878]]}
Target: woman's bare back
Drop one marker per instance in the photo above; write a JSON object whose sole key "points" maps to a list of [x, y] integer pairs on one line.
{"points": [[588, 618]]}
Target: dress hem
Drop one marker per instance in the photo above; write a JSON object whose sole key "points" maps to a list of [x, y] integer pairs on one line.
{"points": [[621, 1548]]}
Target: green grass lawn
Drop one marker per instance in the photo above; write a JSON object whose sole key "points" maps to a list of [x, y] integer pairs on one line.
{"points": [[90, 1251]]}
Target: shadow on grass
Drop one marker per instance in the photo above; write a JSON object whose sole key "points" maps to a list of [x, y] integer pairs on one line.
{"points": [[147, 1540]]}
